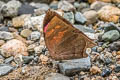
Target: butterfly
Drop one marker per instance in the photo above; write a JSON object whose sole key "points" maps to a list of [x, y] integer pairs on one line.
{"points": [[62, 39]]}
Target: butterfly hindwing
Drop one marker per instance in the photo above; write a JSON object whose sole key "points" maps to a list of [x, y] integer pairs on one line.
{"points": [[63, 40]]}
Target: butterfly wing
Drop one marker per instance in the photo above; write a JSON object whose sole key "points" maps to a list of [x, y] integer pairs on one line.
{"points": [[63, 40]]}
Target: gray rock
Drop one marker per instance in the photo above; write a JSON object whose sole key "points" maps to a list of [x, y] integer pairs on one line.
{"points": [[84, 28], [8, 60], [76, 4], [117, 68], [79, 17], [65, 6], [35, 35], [69, 16], [10, 9], [27, 59], [5, 69], [83, 6], [97, 5], [111, 35], [115, 46], [54, 5], [6, 35], [110, 26], [26, 9], [70, 67], [4, 28], [56, 76], [42, 6]]}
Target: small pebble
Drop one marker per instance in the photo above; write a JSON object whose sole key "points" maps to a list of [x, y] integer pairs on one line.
{"points": [[105, 72]]}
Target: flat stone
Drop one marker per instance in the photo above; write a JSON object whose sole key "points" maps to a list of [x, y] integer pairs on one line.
{"points": [[70, 67], [8, 60], [5, 69], [26, 9], [56, 76]]}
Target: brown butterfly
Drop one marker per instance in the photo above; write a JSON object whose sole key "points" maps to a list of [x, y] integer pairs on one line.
{"points": [[62, 39]]}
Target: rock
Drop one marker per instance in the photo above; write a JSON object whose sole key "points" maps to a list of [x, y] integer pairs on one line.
{"points": [[100, 49], [2, 42], [118, 52], [69, 16], [91, 35], [39, 49], [91, 16], [19, 21], [106, 72], [26, 9], [27, 59], [56, 76], [18, 37], [109, 13], [70, 67], [41, 6], [111, 35], [95, 70], [117, 68], [82, 6], [31, 47], [54, 5], [115, 46], [79, 17], [6, 35], [107, 1], [65, 6], [84, 28], [8, 60], [116, 1], [4, 28], [13, 48], [107, 61], [110, 26], [76, 4], [25, 33], [10, 9], [34, 22], [98, 5], [35, 35], [1, 4], [44, 58], [5, 69], [38, 12]]}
